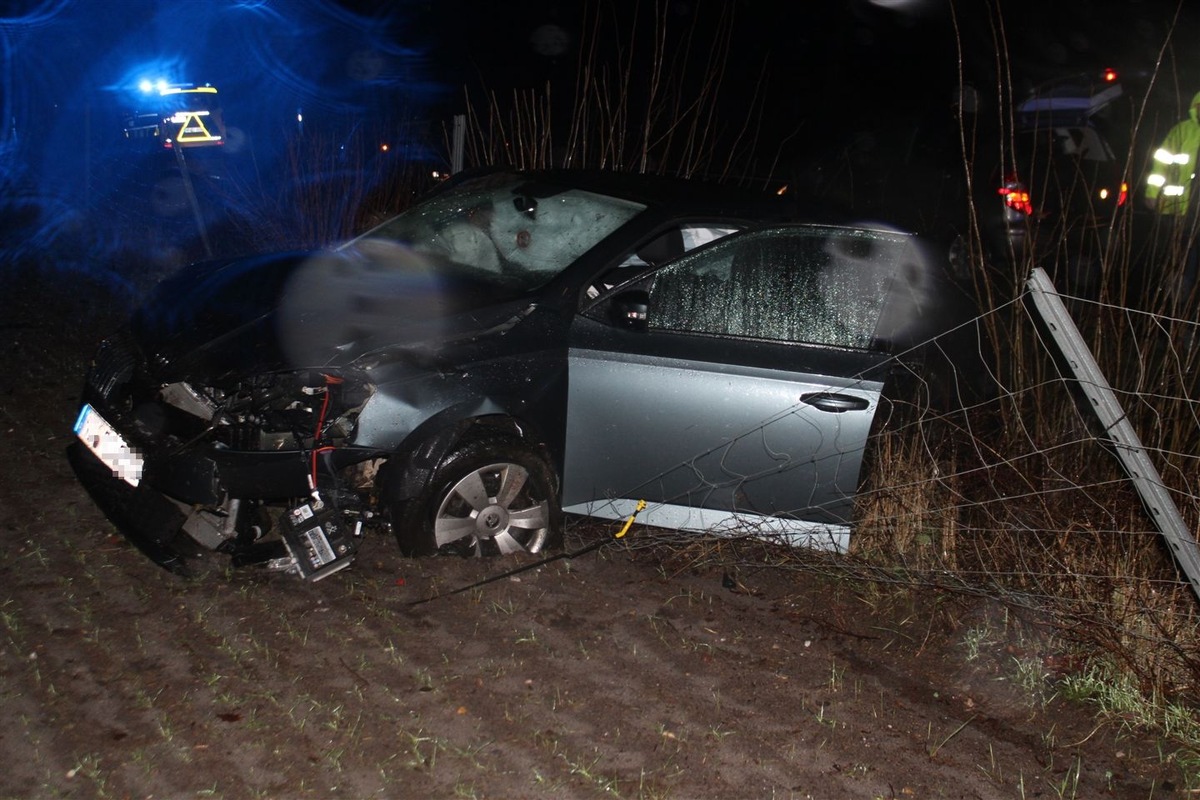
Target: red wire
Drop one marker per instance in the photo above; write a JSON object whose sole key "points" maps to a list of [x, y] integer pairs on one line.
{"points": [[316, 451], [330, 380]]}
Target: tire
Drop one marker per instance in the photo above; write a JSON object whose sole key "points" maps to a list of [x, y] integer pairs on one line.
{"points": [[488, 497]]}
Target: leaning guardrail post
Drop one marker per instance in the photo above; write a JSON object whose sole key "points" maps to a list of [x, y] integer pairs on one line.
{"points": [[1122, 437]]}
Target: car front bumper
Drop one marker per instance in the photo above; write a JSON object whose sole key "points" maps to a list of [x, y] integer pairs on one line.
{"points": [[145, 516]]}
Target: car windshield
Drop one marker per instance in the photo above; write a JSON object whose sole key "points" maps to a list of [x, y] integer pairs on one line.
{"points": [[506, 229]]}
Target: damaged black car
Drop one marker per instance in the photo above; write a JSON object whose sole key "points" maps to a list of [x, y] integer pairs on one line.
{"points": [[514, 348]]}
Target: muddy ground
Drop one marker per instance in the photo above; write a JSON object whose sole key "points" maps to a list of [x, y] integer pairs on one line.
{"points": [[635, 672]]}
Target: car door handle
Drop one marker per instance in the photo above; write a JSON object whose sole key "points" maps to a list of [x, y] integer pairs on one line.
{"points": [[835, 403]]}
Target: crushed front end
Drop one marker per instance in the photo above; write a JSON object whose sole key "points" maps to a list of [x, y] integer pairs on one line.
{"points": [[260, 468]]}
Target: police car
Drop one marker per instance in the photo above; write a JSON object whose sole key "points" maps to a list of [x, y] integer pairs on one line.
{"points": [[177, 115]]}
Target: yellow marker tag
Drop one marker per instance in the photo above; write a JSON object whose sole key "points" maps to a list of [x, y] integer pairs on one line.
{"points": [[629, 522]]}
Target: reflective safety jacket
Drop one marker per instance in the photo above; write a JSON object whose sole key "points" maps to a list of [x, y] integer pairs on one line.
{"points": [[1174, 167]]}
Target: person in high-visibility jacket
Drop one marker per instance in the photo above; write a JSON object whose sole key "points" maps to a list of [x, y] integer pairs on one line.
{"points": [[1169, 185]]}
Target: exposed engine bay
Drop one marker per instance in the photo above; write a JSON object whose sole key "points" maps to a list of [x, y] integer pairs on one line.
{"points": [[261, 470]]}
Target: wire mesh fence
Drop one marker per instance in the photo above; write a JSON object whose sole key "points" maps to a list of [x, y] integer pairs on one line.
{"points": [[1014, 492]]}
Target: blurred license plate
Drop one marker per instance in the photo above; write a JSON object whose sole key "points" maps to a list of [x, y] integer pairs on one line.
{"points": [[109, 446]]}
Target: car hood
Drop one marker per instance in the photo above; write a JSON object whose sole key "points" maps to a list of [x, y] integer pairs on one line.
{"points": [[312, 309]]}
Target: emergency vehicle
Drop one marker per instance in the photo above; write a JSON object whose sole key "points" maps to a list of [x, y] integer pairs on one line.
{"points": [[177, 115]]}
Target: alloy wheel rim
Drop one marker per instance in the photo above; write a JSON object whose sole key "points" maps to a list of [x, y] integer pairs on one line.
{"points": [[493, 510]]}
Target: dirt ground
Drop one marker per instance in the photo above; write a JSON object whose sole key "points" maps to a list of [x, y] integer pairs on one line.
{"points": [[627, 672]]}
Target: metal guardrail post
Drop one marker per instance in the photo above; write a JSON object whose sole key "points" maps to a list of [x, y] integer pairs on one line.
{"points": [[1122, 437]]}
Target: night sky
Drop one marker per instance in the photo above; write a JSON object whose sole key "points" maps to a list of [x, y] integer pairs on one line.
{"points": [[820, 69], [826, 61], [821, 63]]}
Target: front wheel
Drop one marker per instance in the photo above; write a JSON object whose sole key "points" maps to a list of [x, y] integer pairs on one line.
{"points": [[488, 497]]}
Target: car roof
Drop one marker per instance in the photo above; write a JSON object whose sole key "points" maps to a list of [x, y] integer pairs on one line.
{"points": [[1069, 102]]}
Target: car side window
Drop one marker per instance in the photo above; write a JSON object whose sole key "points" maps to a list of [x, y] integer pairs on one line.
{"points": [[810, 284], [660, 249]]}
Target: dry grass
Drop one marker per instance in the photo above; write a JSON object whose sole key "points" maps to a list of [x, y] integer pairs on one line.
{"points": [[649, 107]]}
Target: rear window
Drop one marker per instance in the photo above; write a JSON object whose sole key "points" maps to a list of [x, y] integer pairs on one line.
{"points": [[1078, 143]]}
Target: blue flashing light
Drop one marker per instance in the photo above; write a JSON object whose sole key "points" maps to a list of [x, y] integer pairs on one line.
{"points": [[148, 86]]}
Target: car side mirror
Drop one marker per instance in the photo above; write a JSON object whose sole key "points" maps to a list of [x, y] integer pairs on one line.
{"points": [[629, 309]]}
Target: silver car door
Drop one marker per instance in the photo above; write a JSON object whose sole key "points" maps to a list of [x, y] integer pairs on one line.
{"points": [[735, 387]]}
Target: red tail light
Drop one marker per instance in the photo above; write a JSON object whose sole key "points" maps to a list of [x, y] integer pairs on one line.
{"points": [[1122, 195], [1016, 197]]}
